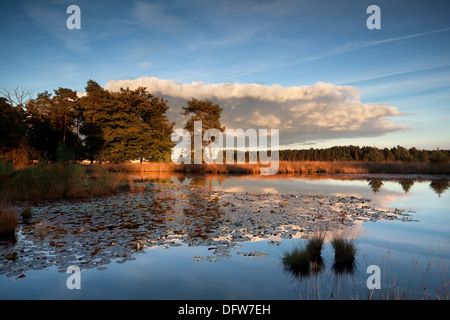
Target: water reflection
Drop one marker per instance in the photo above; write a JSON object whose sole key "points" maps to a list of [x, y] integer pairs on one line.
{"points": [[439, 186], [94, 232], [406, 184], [375, 185]]}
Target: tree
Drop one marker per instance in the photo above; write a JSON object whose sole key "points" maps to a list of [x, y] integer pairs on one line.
{"points": [[17, 97], [40, 133], [205, 111], [64, 111], [125, 125], [157, 145], [51, 124], [13, 144], [92, 106]]}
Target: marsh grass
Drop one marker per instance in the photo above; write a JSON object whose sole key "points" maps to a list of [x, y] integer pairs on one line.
{"points": [[344, 250], [292, 167], [315, 244], [26, 213], [8, 218], [297, 261], [303, 260], [60, 180]]}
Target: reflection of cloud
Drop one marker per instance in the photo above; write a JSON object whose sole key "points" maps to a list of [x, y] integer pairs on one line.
{"points": [[269, 190], [233, 189], [301, 113]]}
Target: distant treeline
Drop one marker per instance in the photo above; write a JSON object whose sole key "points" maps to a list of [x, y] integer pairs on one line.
{"points": [[356, 153]]}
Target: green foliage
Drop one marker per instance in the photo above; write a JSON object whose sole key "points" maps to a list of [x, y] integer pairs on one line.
{"points": [[125, 125], [205, 111]]}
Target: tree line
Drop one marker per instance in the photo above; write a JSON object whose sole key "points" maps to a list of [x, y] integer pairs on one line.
{"points": [[130, 124], [356, 153]]}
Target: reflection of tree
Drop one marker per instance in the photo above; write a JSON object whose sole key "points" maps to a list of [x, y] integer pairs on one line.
{"points": [[375, 184], [198, 181], [439, 186], [406, 184], [202, 213]]}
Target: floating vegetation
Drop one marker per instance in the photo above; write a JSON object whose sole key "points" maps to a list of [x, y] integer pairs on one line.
{"points": [[96, 231]]}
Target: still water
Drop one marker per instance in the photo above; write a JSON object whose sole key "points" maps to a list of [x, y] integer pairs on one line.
{"points": [[412, 254]]}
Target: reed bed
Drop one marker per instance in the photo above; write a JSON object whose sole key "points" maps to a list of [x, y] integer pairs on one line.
{"points": [[8, 217], [55, 181], [290, 167]]}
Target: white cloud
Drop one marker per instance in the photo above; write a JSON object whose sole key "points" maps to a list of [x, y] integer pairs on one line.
{"points": [[302, 113]]}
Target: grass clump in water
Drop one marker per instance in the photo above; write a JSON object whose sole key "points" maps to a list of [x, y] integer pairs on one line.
{"points": [[26, 213], [344, 249], [314, 246], [297, 261], [302, 260], [8, 218]]}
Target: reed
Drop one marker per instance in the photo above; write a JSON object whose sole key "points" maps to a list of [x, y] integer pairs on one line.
{"points": [[291, 167], [59, 180], [8, 218]]}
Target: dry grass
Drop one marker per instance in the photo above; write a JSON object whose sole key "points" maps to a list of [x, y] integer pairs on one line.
{"points": [[61, 181], [8, 218], [291, 167]]}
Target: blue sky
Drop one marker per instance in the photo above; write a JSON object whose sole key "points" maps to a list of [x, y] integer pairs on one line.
{"points": [[384, 87]]}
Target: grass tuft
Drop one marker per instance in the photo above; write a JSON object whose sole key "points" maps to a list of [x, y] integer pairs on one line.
{"points": [[297, 261], [344, 249], [8, 218], [315, 245], [26, 213]]}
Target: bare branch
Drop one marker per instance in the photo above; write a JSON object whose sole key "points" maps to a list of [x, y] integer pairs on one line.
{"points": [[17, 96]]}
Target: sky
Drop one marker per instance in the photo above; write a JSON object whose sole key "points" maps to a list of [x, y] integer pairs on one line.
{"points": [[312, 69]]}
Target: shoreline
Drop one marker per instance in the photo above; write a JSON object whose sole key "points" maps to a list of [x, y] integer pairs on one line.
{"points": [[338, 168]]}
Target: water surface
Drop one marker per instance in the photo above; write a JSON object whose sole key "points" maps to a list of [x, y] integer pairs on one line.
{"points": [[412, 254]]}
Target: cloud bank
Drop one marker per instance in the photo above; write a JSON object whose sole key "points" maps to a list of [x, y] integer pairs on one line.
{"points": [[302, 114]]}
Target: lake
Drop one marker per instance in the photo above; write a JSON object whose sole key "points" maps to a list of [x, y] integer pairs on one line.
{"points": [[223, 237]]}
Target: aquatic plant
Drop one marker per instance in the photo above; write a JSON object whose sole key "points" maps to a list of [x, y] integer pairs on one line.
{"points": [[314, 245], [303, 260], [344, 249], [297, 261], [26, 213]]}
